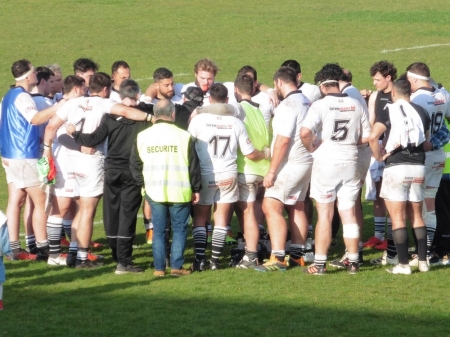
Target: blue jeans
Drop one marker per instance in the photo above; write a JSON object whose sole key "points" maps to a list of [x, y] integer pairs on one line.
{"points": [[179, 217]]}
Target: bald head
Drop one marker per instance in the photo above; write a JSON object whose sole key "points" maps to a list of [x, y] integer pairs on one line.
{"points": [[164, 109]]}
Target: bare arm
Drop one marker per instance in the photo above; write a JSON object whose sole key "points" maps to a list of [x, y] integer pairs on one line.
{"points": [[256, 155], [307, 138], [279, 152], [43, 116], [50, 132], [151, 91], [371, 107], [377, 131], [271, 92]]}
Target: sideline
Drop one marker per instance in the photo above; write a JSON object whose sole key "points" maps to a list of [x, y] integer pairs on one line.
{"points": [[415, 47]]}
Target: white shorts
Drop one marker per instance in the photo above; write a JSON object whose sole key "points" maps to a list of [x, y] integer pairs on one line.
{"points": [[64, 180], [363, 163], [248, 185], [89, 175], [21, 172], [334, 180], [291, 183], [403, 183], [219, 188], [434, 166]]}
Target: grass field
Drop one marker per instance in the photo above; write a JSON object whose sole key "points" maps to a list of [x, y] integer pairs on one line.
{"points": [[44, 301]]}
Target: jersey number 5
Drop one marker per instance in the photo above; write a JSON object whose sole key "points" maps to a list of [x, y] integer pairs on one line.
{"points": [[340, 130], [214, 142]]}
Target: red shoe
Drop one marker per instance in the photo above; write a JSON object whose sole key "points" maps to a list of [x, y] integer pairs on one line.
{"points": [[382, 245], [65, 242], [96, 244], [22, 255], [93, 257], [1, 305], [372, 242]]}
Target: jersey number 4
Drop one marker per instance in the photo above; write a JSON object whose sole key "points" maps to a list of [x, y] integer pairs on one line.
{"points": [[340, 130], [214, 141]]}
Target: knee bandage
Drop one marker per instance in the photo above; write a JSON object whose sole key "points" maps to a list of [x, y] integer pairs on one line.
{"points": [[345, 204], [430, 193], [351, 231]]}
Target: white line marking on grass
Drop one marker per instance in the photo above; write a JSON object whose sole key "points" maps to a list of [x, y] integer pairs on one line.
{"points": [[415, 47], [150, 78]]}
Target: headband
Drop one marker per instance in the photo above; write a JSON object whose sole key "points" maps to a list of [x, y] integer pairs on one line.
{"points": [[24, 76], [420, 77], [326, 81]]}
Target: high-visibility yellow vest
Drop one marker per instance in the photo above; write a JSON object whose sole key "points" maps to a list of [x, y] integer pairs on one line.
{"points": [[259, 135], [446, 148], [164, 150]]}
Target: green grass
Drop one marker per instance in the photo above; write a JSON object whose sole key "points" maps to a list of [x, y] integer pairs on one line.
{"points": [[44, 301]]}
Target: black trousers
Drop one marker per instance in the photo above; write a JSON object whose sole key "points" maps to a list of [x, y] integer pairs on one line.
{"points": [[121, 202], [442, 206]]}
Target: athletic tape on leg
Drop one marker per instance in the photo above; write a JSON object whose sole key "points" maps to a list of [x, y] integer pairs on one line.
{"points": [[350, 231], [345, 204]]}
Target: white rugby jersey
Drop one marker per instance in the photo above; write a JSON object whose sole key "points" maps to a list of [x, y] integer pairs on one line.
{"points": [[217, 139], [287, 122], [85, 113], [341, 121], [436, 103]]}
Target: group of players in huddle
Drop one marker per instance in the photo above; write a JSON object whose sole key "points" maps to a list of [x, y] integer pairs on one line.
{"points": [[262, 151]]}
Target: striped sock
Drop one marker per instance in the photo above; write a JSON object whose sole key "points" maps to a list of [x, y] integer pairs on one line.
{"points": [[218, 241], [208, 227], [82, 254], [391, 249], [67, 225], [320, 260], [30, 242], [297, 251], [73, 248], [54, 226], [379, 226], [199, 237], [15, 246], [42, 247]]}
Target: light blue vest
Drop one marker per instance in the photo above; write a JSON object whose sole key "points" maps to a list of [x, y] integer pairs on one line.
{"points": [[18, 138]]}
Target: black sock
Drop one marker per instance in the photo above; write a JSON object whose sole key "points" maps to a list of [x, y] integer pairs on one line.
{"points": [[421, 235], [199, 237], [400, 236]]}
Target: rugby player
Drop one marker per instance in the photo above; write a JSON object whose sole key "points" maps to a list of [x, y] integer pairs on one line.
{"points": [[120, 71], [341, 123], [289, 174], [217, 140], [436, 103], [404, 124]]}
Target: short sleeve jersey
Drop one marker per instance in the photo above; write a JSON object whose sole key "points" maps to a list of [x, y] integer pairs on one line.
{"points": [[26, 105], [217, 139], [287, 122], [311, 91], [85, 113], [412, 155], [436, 103], [341, 121]]}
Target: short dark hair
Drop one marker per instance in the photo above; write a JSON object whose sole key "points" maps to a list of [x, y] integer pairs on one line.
{"points": [[119, 64], [385, 68], [71, 82], [346, 75], [244, 84], [20, 68], [248, 69], [329, 72], [219, 92], [419, 68], [402, 85], [292, 64], [162, 74], [83, 64], [98, 82], [128, 88], [43, 73], [286, 74]]}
